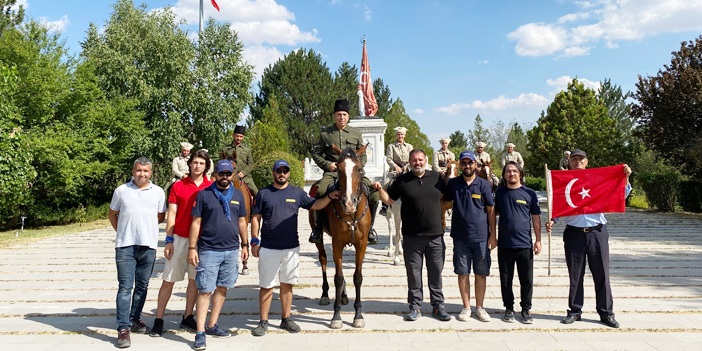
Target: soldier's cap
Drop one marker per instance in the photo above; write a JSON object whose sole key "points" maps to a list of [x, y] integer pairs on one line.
{"points": [[186, 145], [480, 144], [448, 140], [280, 163], [509, 145], [341, 105], [567, 153], [402, 130], [467, 154], [224, 165], [240, 130], [578, 152]]}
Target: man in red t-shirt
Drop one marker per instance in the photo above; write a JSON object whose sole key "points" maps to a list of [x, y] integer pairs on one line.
{"points": [[180, 204]]}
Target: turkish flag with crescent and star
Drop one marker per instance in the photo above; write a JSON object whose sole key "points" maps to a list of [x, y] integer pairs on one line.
{"points": [[367, 85], [585, 191]]}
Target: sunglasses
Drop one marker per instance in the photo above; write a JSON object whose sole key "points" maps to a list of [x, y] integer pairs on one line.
{"points": [[282, 171], [469, 163], [225, 174]]}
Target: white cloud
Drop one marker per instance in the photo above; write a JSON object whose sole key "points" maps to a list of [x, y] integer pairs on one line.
{"points": [[419, 110], [611, 45], [336, 2], [260, 57], [16, 6], [500, 103], [575, 51], [256, 21], [483, 62], [613, 20], [561, 83], [56, 26]]}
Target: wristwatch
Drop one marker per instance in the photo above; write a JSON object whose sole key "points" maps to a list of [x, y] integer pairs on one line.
{"points": [[169, 239], [243, 245]]}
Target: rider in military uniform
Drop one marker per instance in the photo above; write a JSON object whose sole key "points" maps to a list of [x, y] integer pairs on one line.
{"points": [[565, 161], [397, 157], [511, 155], [480, 155], [343, 136], [442, 156], [180, 166], [244, 160]]}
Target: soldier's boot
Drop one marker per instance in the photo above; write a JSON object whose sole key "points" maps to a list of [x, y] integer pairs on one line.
{"points": [[372, 235], [383, 210], [318, 231]]}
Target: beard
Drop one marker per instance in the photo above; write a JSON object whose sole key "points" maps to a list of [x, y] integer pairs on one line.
{"points": [[513, 181], [417, 170], [223, 183], [280, 180], [469, 172]]}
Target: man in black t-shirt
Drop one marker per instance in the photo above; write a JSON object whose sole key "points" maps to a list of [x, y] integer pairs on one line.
{"points": [[518, 208], [422, 232], [278, 249]]}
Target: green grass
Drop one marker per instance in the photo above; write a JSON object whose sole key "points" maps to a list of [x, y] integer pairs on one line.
{"points": [[638, 201], [8, 238]]}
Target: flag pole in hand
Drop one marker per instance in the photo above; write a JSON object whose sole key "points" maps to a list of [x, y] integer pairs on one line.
{"points": [[549, 204]]}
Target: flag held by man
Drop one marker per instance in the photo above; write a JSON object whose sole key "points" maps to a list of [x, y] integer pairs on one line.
{"points": [[585, 191]]}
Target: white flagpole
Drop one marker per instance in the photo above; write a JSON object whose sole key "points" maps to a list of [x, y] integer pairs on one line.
{"points": [[549, 204], [201, 14]]}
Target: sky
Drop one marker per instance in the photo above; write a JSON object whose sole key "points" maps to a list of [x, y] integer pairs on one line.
{"points": [[446, 60]]}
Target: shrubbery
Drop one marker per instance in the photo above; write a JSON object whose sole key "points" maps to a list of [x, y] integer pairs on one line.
{"points": [[262, 172], [690, 196], [535, 183], [661, 188]]}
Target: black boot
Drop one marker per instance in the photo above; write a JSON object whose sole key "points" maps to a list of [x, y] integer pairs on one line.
{"points": [[383, 210], [318, 231], [372, 235]]}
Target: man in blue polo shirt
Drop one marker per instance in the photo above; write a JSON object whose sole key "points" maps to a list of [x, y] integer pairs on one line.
{"points": [[473, 212], [278, 249], [518, 208], [219, 220]]}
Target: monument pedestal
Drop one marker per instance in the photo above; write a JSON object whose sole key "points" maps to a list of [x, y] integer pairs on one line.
{"points": [[373, 131]]}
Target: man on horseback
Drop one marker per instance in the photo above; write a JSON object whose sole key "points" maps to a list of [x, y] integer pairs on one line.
{"points": [[442, 156], [511, 155], [244, 160], [397, 156], [342, 135], [480, 154]]}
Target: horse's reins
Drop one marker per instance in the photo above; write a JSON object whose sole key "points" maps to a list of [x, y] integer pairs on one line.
{"points": [[352, 224]]}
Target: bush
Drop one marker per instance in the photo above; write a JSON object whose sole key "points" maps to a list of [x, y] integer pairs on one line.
{"points": [[263, 169], [690, 197], [661, 188], [535, 183]]}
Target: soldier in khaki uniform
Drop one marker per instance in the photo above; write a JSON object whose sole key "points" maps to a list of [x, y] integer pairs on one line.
{"points": [[565, 161], [343, 136], [397, 157], [244, 159], [442, 156], [511, 155], [480, 155], [180, 166]]}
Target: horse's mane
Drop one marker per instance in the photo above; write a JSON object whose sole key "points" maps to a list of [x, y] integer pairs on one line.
{"points": [[349, 152]]}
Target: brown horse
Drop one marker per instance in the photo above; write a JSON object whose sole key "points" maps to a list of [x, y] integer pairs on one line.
{"points": [[453, 170], [485, 172], [239, 184], [349, 223]]}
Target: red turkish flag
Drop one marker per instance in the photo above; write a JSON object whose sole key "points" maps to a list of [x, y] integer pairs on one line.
{"points": [[366, 85], [214, 3], [585, 191]]}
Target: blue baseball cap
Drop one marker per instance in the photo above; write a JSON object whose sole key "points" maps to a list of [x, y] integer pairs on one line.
{"points": [[467, 154], [224, 165], [280, 163]]}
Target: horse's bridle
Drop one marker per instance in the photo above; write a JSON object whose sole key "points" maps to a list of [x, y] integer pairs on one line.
{"points": [[352, 224]]}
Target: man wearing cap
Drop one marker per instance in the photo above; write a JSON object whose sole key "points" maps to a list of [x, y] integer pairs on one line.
{"points": [[278, 249], [244, 159], [586, 238], [442, 156], [179, 167], [480, 155], [511, 155], [218, 224], [564, 164], [397, 157], [342, 135], [473, 232]]}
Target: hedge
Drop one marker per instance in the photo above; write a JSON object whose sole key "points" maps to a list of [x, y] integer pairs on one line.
{"points": [[535, 183], [661, 188], [690, 196], [262, 172]]}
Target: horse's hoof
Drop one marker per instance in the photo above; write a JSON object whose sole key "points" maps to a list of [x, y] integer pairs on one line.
{"points": [[336, 324], [390, 252], [244, 272], [324, 301], [344, 300], [359, 323], [396, 262]]}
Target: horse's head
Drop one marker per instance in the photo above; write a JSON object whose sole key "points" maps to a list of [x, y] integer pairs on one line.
{"points": [[452, 170], [232, 158], [485, 170], [350, 175]]}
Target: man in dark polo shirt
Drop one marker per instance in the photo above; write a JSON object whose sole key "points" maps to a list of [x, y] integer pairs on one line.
{"points": [[473, 212], [219, 220], [518, 208], [278, 249], [422, 232]]}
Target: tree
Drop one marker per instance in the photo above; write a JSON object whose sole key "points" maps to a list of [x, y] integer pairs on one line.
{"points": [[668, 109], [619, 110], [346, 85], [382, 97], [268, 134], [8, 17], [518, 137], [575, 119], [459, 142], [478, 133], [497, 138], [398, 117]]}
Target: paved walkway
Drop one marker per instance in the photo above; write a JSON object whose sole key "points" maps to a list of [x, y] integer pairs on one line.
{"points": [[59, 294]]}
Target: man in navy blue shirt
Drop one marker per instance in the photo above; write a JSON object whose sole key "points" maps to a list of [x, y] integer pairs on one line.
{"points": [[473, 232], [518, 208], [278, 249], [219, 220]]}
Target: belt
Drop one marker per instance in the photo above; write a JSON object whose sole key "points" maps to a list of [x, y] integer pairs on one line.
{"points": [[442, 164], [585, 230]]}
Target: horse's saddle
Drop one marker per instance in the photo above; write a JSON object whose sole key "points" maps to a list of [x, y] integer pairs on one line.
{"points": [[442, 163]]}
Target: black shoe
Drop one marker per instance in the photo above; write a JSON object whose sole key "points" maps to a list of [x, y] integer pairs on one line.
{"points": [[441, 315], [526, 317], [139, 327], [289, 325], [383, 210], [316, 236], [261, 328], [570, 319], [372, 237], [157, 330], [188, 323], [413, 315], [509, 316], [609, 321]]}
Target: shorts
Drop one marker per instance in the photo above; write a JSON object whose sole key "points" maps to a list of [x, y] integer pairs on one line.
{"points": [[217, 268], [464, 252], [175, 268], [273, 263]]}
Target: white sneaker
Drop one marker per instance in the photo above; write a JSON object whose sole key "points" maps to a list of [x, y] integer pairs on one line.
{"points": [[465, 315], [483, 316]]}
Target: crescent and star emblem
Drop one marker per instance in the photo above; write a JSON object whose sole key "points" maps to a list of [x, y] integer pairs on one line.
{"points": [[584, 193]]}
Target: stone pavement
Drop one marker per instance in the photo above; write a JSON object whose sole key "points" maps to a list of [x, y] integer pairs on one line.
{"points": [[59, 294]]}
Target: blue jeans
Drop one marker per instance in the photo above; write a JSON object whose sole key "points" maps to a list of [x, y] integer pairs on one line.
{"points": [[134, 267], [217, 268]]}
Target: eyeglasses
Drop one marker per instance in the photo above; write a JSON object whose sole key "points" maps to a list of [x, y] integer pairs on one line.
{"points": [[282, 171], [469, 163], [225, 174]]}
